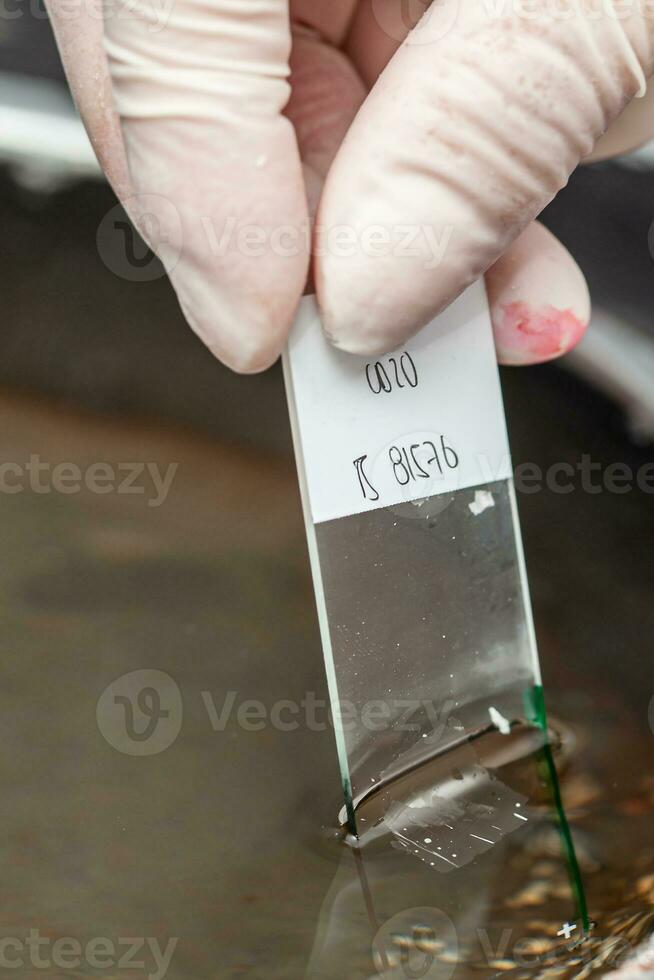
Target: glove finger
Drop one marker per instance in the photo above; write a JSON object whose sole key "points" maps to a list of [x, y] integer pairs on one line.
{"points": [[380, 26], [632, 128], [79, 40], [538, 298], [476, 122], [200, 90]]}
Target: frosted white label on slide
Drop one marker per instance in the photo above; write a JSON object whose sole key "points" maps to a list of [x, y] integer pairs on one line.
{"points": [[378, 431]]}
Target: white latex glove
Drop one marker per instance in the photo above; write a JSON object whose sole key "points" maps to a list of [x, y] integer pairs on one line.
{"points": [[472, 124]]}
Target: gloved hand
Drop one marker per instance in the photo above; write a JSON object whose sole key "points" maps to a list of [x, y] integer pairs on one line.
{"points": [[423, 158]]}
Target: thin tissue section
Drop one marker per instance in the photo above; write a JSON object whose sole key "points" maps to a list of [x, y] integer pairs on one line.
{"points": [[448, 832], [483, 500]]}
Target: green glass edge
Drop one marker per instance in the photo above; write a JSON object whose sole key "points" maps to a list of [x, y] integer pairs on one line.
{"points": [[537, 714]]}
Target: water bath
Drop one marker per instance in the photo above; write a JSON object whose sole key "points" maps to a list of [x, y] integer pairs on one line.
{"points": [[227, 839]]}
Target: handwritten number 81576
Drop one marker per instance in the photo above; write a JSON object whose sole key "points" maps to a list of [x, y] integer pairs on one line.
{"points": [[407, 466]]}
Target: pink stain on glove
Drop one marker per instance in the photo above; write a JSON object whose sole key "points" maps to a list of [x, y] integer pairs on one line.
{"points": [[539, 300], [528, 336]]}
